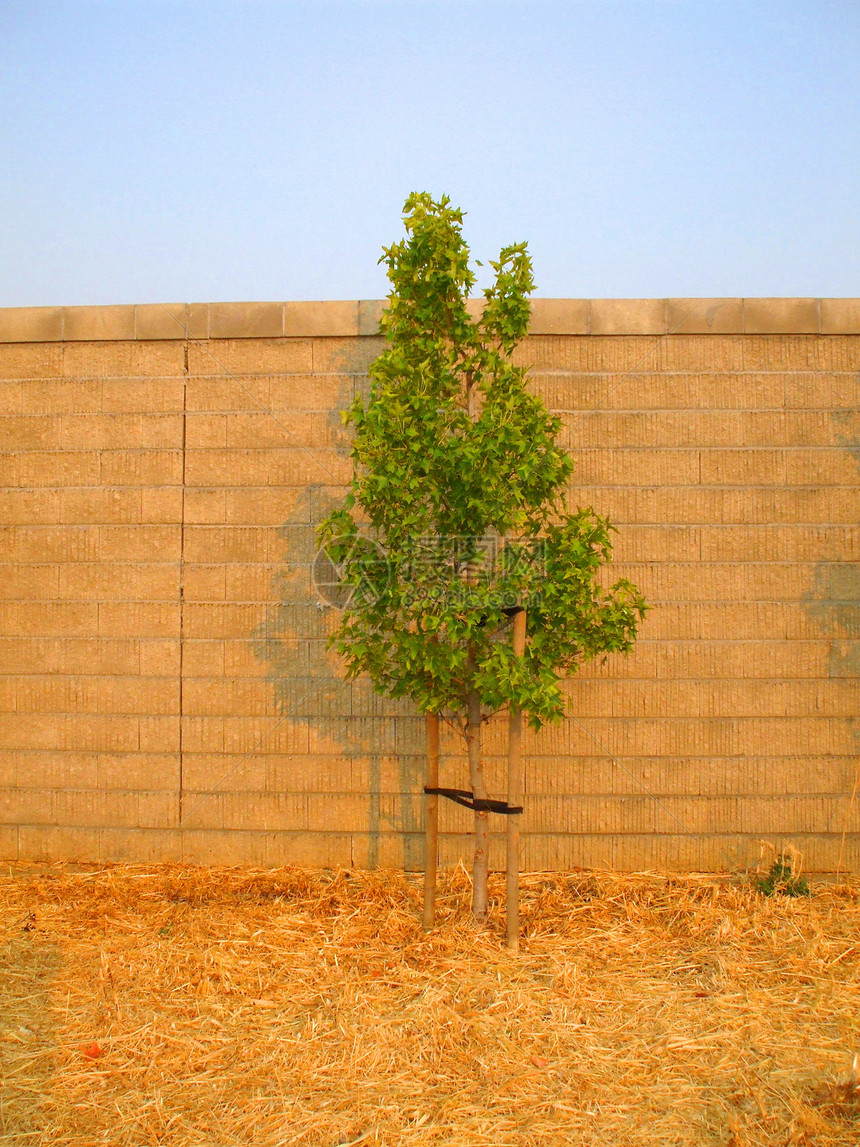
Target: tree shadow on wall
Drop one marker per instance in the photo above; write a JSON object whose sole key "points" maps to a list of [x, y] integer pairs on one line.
{"points": [[374, 744]]}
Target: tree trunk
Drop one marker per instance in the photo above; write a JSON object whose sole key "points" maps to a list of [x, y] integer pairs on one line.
{"points": [[431, 829], [479, 789], [515, 796]]}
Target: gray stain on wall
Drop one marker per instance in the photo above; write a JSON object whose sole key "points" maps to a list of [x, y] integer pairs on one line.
{"points": [[833, 599]]}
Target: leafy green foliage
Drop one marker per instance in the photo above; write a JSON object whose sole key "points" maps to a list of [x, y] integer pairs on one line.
{"points": [[456, 513], [782, 879]]}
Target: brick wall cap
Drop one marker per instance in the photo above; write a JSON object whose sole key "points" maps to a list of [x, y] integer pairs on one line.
{"points": [[351, 318]]}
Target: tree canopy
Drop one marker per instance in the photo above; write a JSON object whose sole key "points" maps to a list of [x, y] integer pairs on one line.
{"points": [[457, 513]]}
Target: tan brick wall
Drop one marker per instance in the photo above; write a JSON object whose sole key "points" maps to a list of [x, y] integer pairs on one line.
{"points": [[165, 690]]}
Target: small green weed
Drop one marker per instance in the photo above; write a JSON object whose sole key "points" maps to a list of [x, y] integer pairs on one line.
{"points": [[784, 876]]}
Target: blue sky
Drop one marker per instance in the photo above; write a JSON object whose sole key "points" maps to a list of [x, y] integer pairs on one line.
{"points": [[243, 150]]}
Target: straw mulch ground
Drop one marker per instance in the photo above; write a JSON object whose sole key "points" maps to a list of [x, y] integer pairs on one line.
{"points": [[187, 1006]]}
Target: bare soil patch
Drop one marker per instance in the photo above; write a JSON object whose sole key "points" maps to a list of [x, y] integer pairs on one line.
{"points": [[219, 1006]]}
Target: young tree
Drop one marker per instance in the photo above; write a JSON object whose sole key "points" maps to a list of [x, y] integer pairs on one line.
{"points": [[456, 516]]}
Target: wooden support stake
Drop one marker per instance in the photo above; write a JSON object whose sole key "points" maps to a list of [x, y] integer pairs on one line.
{"points": [[515, 794], [431, 821]]}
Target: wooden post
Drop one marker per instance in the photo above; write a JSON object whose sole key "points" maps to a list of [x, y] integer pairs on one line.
{"points": [[431, 821], [515, 796], [477, 782]]}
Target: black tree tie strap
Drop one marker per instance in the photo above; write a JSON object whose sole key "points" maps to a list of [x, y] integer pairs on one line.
{"points": [[469, 800]]}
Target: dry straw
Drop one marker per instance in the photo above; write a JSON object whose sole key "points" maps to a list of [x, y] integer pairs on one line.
{"points": [[194, 1007]]}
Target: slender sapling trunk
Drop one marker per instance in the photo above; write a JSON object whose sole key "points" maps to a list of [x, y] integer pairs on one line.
{"points": [[479, 791], [431, 828], [515, 793]]}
